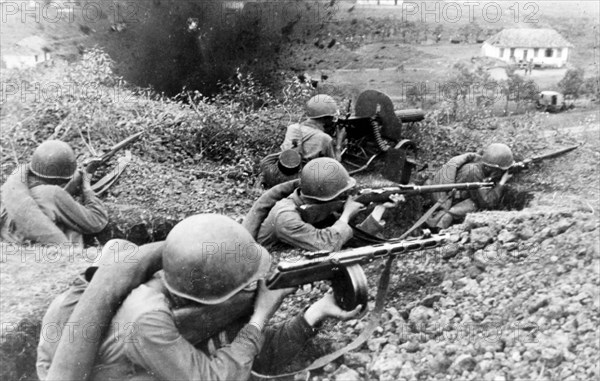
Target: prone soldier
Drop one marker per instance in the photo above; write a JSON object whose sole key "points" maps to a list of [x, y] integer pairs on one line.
{"points": [[310, 139], [471, 167], [322, 181], [38, 201]]}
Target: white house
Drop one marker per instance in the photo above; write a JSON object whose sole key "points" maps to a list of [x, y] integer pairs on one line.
{"points": [[28, 52], [545, 47]]}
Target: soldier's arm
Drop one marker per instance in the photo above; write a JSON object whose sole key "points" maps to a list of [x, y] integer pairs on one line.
{"points": [[291, 229], [282, 343], [89, 218], [159, 348]]}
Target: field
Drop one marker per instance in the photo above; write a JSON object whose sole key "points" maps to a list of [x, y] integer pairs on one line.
{"points": [[513, 297]]}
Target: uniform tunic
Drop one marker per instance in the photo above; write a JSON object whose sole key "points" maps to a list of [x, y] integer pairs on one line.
{"points": [[71, 217], [311, 140], [144, 341], [484, 198], [466, 168], [285, 224], [68, 214]]}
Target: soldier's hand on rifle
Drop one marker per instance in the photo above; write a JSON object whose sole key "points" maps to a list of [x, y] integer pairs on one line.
{"points": [[92, 164], [505, 177], [73, 187], [267, 302], [379, 209], [326, 307], [86, 180], [351, 208], [395, 201]]}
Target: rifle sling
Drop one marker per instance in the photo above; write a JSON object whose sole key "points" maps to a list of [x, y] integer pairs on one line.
{"points": [[382, 288]]}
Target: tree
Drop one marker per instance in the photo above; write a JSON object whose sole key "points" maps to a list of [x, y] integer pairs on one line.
{"points": [[572, 83], [516, 88], [591, 87]]}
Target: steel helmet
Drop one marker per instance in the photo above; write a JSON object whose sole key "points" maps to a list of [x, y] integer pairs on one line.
{"points": [[498, 155], [53, 159], [320, 106], [324, 179], [209, 257]]}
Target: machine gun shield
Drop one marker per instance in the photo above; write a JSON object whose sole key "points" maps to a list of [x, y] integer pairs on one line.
{"points": [[371, 102]]}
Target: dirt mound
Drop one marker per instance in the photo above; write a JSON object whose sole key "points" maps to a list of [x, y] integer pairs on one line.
{"points": [[515, 297]]}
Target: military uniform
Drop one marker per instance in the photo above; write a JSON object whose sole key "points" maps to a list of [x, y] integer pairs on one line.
{"points": [[466, 168], [284, 224], [71, 217], [310, 139], [144, 341]]}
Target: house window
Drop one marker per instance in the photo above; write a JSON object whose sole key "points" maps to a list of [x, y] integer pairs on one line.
{"points": [[548, 53], [558, 52], [535, 52], [501, 52], [512, 52]]}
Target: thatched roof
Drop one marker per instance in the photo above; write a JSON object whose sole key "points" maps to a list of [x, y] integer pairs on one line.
{"points": [[529, 38]]}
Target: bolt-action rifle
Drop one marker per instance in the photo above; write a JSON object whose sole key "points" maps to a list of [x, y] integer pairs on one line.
{"points": [[315, 213], [92, 164], [521, 165]]}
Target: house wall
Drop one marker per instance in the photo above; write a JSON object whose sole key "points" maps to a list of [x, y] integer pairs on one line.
{"points": [[519, 53], [16, 61]]}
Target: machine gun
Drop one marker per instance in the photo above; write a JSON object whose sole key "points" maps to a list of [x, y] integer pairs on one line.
{"points": [[315, 213], [374, 132], [521, 165]]}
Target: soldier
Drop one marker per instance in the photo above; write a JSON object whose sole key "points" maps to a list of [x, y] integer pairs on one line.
{"points": [[322, 180], [208, 260], [44, 190], [304, 141], [471, 167]]}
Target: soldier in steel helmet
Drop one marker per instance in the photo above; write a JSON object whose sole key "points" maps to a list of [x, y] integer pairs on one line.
{"points": [[471, 167], [313, 137], [51, 179], [208, 260], [322, 180], [310, 139]]}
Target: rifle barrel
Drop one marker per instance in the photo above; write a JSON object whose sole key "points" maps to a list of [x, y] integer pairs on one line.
{"points": [[554, 154], [418, 189]]}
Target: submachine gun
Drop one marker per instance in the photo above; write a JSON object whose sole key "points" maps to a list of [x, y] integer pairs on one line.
{"points": [[344, 268], [315, 213]]}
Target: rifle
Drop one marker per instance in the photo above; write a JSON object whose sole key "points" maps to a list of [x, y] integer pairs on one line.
{"points": [[521, 165], [344, 268], [315, 213], [92, 164]]}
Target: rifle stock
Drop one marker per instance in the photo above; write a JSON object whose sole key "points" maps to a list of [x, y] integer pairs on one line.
{"points": [[315, 213]]}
